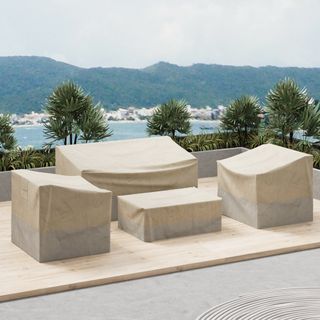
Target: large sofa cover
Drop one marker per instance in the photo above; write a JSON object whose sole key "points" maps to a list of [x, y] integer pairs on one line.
{"points": [[267, 186], [57, 217], [130, 166]]}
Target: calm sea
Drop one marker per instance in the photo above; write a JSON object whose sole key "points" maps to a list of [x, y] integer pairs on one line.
{"points": [[33, 135]]}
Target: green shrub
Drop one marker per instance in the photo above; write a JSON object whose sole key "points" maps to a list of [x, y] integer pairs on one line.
{"points": [[286, 104], [7, 138], [228, 139], [316, 159], [73, 116], [169, 119], [26, 158], [242, 118], [201, 142]]}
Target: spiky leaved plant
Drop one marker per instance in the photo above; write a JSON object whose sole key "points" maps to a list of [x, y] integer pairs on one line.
{"points": [[93, 125], [200, 142], [72, 114], [242, 117], [310, 120], [286, 103], [7, 138], [25, 158], [169, 118]]}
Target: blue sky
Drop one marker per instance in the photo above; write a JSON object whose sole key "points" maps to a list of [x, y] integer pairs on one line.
{"points": [[138, 33]]}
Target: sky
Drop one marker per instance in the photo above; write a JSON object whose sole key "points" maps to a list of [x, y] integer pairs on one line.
{"points": [[139, 33]]}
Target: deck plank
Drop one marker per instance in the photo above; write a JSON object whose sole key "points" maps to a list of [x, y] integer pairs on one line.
{"points": [[21, 276]]}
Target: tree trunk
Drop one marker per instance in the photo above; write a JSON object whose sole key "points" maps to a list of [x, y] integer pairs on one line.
{"points": [[70, 138], [291, 137], [284, 137], [65, 141], [240, 137], [173, 132], [75, 139], [245, 135]]}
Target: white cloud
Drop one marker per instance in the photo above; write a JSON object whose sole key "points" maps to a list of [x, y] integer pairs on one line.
{"points": [[141, 32]]}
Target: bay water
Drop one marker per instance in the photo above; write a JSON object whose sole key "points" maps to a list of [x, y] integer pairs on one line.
{"points": [[33, 135]]}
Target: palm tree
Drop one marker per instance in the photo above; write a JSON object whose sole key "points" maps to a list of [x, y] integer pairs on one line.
{"points": [[310, 126], [93, 124], [169, 118], [72, 114], [242, 117], [310, 123], [7, 139], [286, 103]]}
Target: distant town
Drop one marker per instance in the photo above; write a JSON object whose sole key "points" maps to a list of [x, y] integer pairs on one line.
{"points": [[122, 114]]}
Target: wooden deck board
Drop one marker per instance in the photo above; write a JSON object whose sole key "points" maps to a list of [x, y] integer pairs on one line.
{"points": [[21, 276]]}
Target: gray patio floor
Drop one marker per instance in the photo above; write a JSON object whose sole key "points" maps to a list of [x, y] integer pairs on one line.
{"points": [[176, 296]]}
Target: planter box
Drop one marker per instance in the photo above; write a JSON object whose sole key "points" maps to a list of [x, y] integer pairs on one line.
{"points": [[316, 184], [5, 182], [207, 167], [207, 160]]}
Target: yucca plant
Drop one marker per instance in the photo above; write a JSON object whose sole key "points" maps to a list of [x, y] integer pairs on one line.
{"points": [[316, 158], [7, 142], [258, 140], [26, 158], [228, 139], [7, 139], [242, 117], [310, 121], [6, 159], [47, 158], [201, 142], [93, 125], [72, 114], [310, 126], [263, 137], [303, 146], [286, 103], [169, 119]]}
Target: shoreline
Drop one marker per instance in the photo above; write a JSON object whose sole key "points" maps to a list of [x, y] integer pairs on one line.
{"points": [[111, 121]]}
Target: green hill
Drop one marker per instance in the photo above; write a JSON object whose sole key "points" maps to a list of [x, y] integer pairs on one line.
{"points": [[27, 81]]}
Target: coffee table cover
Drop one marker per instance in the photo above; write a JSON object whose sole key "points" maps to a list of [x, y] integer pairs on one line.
{"points": [[168, 214]]}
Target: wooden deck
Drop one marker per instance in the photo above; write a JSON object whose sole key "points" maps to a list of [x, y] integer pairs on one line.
{"points": [[130, 258]]}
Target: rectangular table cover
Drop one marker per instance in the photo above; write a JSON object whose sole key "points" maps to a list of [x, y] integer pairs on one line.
{"points": [[56, 217], [267, 186], [130, 166], [170, 213]]}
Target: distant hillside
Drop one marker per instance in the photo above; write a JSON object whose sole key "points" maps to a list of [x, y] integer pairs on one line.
{"points": [[27, 81]]}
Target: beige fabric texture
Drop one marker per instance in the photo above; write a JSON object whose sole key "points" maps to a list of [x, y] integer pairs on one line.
{"points": [[57, 217], [130, 166], [168, 214], [267, 186]]}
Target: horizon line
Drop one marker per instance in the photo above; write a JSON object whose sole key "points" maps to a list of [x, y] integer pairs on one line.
{"points": [[160, 62]]}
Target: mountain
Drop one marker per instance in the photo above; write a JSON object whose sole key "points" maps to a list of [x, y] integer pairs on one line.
{"points": [[25, 82]]}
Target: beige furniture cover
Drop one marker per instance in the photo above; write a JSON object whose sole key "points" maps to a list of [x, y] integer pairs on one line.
{"points": [[267, 186], [130, 166], [171, 213], [57, 217]]}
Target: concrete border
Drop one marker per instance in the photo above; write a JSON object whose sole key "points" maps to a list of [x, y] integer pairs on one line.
{"points": [[316, 184], [5, 182], [207, 160]]}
